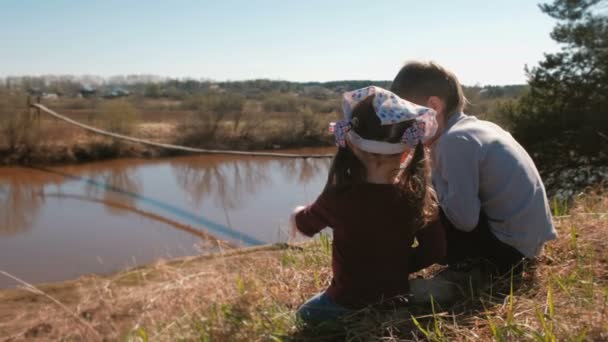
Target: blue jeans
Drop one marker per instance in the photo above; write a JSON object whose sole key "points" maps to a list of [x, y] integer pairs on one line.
{"points": [[320, 308]]}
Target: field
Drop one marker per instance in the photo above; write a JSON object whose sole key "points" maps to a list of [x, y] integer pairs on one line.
{"points": [[29, 137], [252, 294]]}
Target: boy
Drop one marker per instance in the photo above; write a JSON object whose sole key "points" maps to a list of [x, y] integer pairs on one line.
{"points": [[493, 202]]}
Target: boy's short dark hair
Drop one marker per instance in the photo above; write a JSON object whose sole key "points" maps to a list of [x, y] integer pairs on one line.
{"points": [[417, 81]]}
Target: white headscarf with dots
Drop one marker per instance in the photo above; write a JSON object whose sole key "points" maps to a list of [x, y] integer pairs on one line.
{"points": [[390, 109]]}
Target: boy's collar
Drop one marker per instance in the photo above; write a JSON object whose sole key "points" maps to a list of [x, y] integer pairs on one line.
{"points": [[452, 119]]}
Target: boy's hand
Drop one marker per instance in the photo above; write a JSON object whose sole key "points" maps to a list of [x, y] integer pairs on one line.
{"points": [[293, 232]]}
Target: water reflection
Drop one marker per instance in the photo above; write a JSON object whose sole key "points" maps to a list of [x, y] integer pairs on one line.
{"points": [[21, 197], [127, 196], [228, 181], [119, 175], [207, 239], [305, 170], [221, 179], [22, 190]]}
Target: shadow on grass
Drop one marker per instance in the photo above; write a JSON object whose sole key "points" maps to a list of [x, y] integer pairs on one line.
{"points": [[433, 321]]}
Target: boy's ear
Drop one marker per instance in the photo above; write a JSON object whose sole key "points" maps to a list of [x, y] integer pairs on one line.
{"points": [[436, 104]]}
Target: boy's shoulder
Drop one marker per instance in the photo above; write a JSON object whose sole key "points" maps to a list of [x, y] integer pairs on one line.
{"points": [[469, 130], [461, 132]]}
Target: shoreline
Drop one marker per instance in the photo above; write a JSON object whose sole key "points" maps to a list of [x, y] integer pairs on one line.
{"points": [[120, 273], [63, 155], [564, 178]]}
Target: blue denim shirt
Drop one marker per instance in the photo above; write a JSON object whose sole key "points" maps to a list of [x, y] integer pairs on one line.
{"points": [[479, 166]]}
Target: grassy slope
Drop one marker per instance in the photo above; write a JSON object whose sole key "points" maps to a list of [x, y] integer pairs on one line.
{"points": [[251, 295]]}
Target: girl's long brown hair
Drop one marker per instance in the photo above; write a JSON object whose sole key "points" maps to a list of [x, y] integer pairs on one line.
{"points": [[413, 181]]}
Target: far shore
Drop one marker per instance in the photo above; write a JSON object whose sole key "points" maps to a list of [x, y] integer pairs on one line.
{"points": [[104, 149]]}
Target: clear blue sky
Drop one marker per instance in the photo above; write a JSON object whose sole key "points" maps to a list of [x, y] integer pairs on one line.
{"points": [[486, 42]]}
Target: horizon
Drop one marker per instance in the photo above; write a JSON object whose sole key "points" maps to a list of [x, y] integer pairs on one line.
{"points": [[102, 80], [294, 42]]}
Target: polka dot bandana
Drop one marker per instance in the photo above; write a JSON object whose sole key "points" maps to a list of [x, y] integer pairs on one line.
{"points": [[391, 109], [340, 129]]}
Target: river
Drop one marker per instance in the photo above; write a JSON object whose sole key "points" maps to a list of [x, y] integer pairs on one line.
{"points": [[59, 223]]}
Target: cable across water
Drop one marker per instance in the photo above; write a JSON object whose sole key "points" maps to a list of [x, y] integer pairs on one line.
{"points": [[189, 229], [171, 146], [215, 227]]}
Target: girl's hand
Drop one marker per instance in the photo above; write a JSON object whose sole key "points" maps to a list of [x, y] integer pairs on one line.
{"points": [[293, 232]]}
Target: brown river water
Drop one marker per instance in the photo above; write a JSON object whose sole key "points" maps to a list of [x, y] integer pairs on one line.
{"points": [[58, 223]]}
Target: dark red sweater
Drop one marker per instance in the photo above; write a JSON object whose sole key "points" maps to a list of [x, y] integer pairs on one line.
{"points": [[373, 232]]}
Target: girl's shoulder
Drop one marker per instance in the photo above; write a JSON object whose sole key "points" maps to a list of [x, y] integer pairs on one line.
{"points": [[350, 189], [374, 194]]}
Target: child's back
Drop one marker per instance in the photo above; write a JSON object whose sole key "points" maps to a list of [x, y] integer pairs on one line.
{"points": [[373, 207], [479, 166], [373, 230]]}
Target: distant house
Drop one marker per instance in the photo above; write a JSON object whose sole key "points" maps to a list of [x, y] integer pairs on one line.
{"points": [[50, 96], [32, 91], [36, 92], [87, 91], [116, 92]]}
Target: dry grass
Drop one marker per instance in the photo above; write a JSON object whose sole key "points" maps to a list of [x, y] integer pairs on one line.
{"points": [[252, 295], [54, 141], [188, 298]]}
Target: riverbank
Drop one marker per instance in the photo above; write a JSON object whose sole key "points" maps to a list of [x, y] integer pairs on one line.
{"points": [[65, 135], [100, 149], [252, 295], [564, 177]]}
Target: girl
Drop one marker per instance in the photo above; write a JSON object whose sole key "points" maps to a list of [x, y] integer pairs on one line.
{"points": [[374, 208]]}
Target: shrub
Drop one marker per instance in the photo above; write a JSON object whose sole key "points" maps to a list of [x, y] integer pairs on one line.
{"points": [[309, 125], [278, 102], [304, 128], [16, 122], [75, 103], [118, 116], [532, 123], [213, 108]]}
